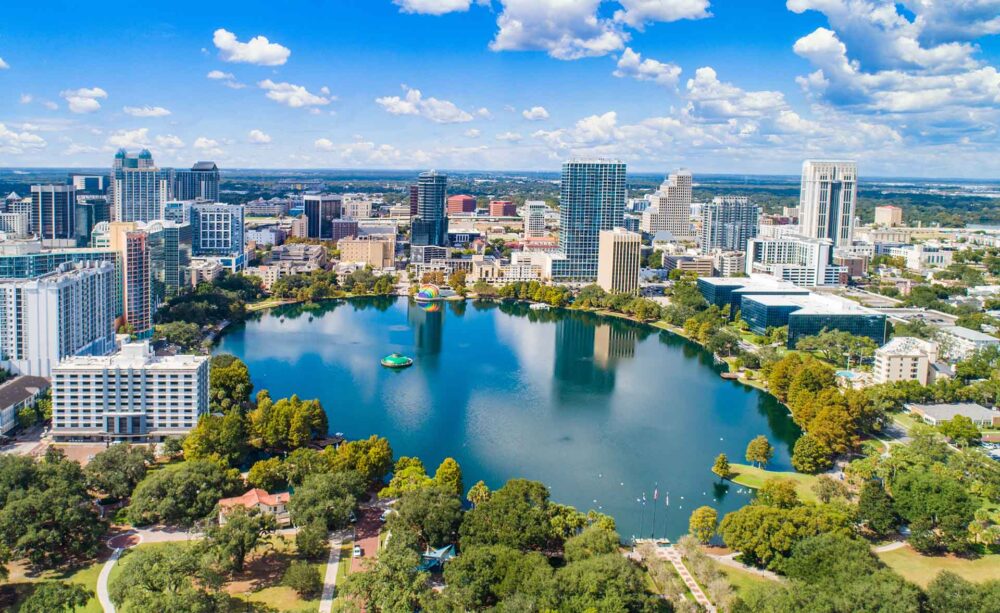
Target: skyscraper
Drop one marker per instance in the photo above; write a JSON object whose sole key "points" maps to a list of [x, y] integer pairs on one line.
{"points": [[591, 199], [670, 210], [430, 226], [137, 294], [414, 197], [828, 199], [138, 188], [727, 223], [53, 211], [199, 183], [170, 251], [618, 264], [534, 219], [217, 229], [320, 211]]}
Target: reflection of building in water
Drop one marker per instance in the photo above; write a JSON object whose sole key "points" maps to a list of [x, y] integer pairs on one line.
{"points": [[576, 369], [427, 322], [612, 343]]}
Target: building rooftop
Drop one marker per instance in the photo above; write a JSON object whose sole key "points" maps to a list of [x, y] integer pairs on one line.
{"points": [[21, 388], [813, 304], [907, 345], [753, 282], [942, 412], [969, 335], [254, 497], [132, 355]]}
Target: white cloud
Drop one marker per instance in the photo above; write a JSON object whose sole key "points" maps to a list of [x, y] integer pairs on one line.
{"points": [[567, 30], [50, 105], [26, 98], [631, 64], [295, 96], [637, 13], [129, 139], [436, 7], [484, 113], [18, 142], [438, 111], [205, 143], [535, 113], [472, 133], [227, 79], [169, 141], [146, 111], [362, 152], [323, 144], [510, 137], [84, 100], [258, 137], [78, 148], [3, 65], [258, 50]]}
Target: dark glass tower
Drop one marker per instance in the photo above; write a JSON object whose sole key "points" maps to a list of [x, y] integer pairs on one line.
{"points": [[430, 226]]}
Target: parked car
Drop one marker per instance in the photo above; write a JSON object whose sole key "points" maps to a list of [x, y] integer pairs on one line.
{"points": [[357, 551]]}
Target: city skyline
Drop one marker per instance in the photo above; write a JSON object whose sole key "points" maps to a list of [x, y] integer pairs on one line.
{"points": [[907, 89]]}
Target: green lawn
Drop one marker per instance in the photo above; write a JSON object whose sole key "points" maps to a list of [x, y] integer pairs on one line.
{"points": [[922, 569], [740, 579], [753, 477], [85, 576]]}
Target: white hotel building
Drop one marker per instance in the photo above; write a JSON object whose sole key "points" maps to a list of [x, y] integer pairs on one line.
{"points": [[806, 262], [132, 396]]}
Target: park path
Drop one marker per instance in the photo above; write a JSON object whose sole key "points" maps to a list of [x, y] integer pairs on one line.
{"points": [[889, 546], [672, 554], [332, 568], [730, 560], [102, 582]]}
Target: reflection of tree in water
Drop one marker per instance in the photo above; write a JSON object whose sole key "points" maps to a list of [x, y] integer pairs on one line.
{"points": [[719, 490], [378, 303], [783, 429], [313, 309], [428, 327], [457, 307]]}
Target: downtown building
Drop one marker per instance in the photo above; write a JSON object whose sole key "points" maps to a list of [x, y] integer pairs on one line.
{"points": [[430, 225], [728, 223], [828, 199], [199, 183], [139, 189], [618, 261], [591, 199], [804, 261], [53, 212], [320, 211], [670, 207], [217, 231], [534, 219], [67, 312], [132, 396]]}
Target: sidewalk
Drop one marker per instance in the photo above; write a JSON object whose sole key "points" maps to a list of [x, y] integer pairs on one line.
{"points": [[332, 568]]}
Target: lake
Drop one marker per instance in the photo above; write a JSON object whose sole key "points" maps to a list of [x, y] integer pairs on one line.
{"points": [[602, 410]]}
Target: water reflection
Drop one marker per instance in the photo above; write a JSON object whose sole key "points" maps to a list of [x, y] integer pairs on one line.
{"points": [[428, 326]]}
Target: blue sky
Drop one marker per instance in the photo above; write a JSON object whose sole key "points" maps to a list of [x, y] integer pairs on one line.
{"points": [[739, 86]]}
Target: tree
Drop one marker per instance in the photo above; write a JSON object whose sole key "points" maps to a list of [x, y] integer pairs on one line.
{"points": [[46, 515], [766, 535], [595, 540], [492, 576], [268, 474], [219, 437], [184, 334], [778, 492], [810, 456], [759, 451], [827, 488], [478, 493], [602, 583], [948, 592], [241, 533], [703, 523], [393, 583], [164, 579], [515, 515], [876, 510], [173, 446], [229, 384], [118, 469], [408, 475], [183, 493], [310, 540], [449, 477], [937, 502], [328, 498], [304, 579], [55, 596], [289, 423], [432, 513], [835, 346], [371, 458], [721, 466], [962, 430]]}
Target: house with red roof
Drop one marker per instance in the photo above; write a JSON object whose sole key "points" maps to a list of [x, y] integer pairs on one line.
{"points": [[275, 504]]}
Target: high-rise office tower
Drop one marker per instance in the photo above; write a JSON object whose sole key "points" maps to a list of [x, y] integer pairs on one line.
{"points": [[727, 223], [430, 226], [320, 211], [89, 213], [199, 183], [534, 219], [414, 196], [670, 208], [138, 188], [88, 184], [137, 293], [53, 211], [69, 311], [591, 199], [170, 252], [618, 261], [217, 229], [828, 199]]}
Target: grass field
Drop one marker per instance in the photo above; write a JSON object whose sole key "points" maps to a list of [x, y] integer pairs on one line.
{"points": [[740, 579], [753, 477], [85, 576], [922, 569]]}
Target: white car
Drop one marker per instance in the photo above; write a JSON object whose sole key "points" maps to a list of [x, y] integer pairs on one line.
{"points": [[357, 551]]}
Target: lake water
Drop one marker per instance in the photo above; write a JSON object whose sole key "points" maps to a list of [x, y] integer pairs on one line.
{"points": [[602, 410]]}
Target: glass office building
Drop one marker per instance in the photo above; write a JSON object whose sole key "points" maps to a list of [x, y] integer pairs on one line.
{"points": [[430, 225], [591, 199], [199, 183], [811, 314]]}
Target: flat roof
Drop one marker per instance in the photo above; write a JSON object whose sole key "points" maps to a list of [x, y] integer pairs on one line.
{"points": [[813, 304], [133, 355], [21, 388], [755, 281], [969, 335], [907, 345]]}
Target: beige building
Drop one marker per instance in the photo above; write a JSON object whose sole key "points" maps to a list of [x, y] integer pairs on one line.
{"points": [[888, 216], [618, 260], [670, 207], [905, 359], [375, 251]]}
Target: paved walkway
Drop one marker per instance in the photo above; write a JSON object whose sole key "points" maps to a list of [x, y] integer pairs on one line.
{"points": [[730, 560], [671, 553], [889, 546], [332, 567]]}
